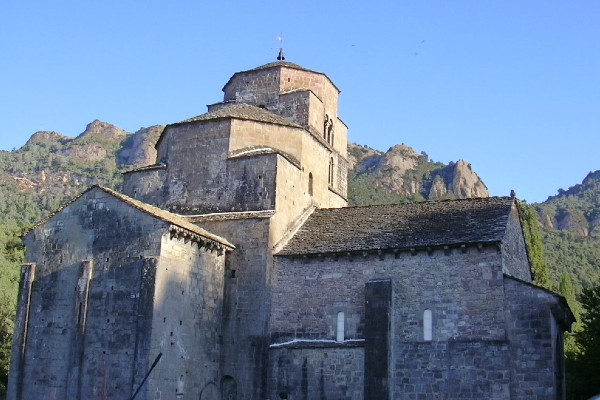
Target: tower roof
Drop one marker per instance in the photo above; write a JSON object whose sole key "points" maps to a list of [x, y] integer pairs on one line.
{"points": [[242, 111]]}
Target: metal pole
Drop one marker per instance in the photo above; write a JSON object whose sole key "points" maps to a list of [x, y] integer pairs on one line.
{"points": [[147, 375]]}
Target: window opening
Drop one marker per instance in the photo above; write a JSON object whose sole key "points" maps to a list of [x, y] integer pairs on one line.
{"points": [[427, 325], [340, 327], [310, 184]]}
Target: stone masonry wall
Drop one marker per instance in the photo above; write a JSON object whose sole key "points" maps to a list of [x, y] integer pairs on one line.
{"points": [[201, 179], [536, 347], [319, 84], [296, 106], [464, 291], [452, 370], [514, 251], [316, 373], [246, 305], [186, 329], [258, 87], [147, 186], [246, 134], [79, 336]]}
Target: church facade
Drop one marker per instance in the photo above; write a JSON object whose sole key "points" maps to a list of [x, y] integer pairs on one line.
{"points": [[232, 268]]}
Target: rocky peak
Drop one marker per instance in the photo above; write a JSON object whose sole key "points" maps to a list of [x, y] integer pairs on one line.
{"points": [[99, 129], [46, 137], [402, 158], [466, 183], [576, 209], [404, 173], [139, 149]]}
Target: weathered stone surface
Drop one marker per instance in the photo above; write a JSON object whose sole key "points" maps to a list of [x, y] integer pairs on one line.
{"points": [[466, 183]]}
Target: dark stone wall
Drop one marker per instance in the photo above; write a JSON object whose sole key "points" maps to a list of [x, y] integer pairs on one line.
{"points": [[187, 323], [514, 250], [85, 300], [536, 342], [452, 370], [378, 313], [112, 290], [468, 356], [246, 305], [316, 373], [147, 186], [200, 178], [463, 290]]}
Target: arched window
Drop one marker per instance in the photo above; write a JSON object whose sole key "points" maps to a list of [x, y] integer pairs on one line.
{"points": [[340, 327], [310, 184], [330, 174], [427, 325], [228, 388]]}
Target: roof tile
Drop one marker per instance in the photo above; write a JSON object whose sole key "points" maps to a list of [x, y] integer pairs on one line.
{"points": [[409, 225]]}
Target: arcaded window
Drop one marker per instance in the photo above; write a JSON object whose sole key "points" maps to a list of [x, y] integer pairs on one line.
{"points": [[427, 325], [340, 327], [310, 184]]}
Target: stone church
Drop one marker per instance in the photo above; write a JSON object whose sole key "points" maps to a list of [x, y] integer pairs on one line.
{"points": [[232, 268]]}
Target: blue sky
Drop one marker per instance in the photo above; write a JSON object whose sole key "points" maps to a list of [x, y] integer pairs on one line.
{"points": [[511, 86]]}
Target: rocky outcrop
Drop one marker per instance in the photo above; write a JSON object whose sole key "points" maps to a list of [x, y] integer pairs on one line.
{"points": [[103, 130], [406, 173], [139, 148], [98, 142], [576, 209], [466, 183], [46, 137]]}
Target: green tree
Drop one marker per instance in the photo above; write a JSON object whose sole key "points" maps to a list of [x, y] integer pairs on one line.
{"points": [[567, 289], [535, 245], [585, 366]]}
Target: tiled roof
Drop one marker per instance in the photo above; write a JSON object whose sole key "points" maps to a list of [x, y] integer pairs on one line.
{"points": [[147, 168], [167, 217], [262, 150], [402, 226], [159, 213], [243, 111]]}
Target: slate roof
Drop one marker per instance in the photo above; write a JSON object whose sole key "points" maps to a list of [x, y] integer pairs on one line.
{"points": [[151, 167], [156, 212], [402, 226], [242, 111]]}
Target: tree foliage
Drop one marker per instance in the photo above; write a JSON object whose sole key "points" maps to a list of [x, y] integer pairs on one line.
{"points": [[535, 246], [583, 380]]}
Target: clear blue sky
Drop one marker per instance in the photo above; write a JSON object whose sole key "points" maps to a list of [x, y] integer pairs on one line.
{"points": [[511, 86]]}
